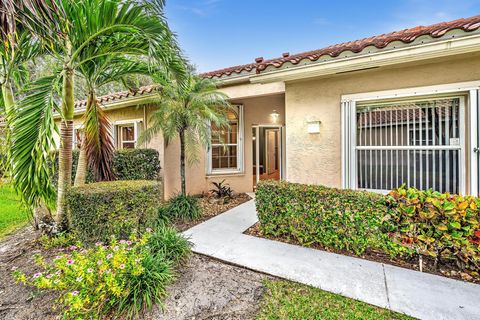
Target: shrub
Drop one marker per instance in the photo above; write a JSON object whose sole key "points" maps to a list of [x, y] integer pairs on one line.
{"points": [[123, 279], [136, 164], [102, 209], [131, 164], [170, 244], [222, 190], [442, 226], [181, 206], [317, 215]]}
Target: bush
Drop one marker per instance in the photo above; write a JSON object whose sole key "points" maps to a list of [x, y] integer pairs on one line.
{"points": [[136, 164], [181, 206], [102, 209], [170, 244], [122, 279], [131, 164], [317, 215], [442, 226]]}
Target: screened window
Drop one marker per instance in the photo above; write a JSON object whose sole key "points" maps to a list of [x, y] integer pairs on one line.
{"points": [[225, 152], [78, 136], [416, 143], [126, 134]]}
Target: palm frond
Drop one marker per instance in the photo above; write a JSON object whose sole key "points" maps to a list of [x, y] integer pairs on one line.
{"points": [[98, 140], [32, 129]]}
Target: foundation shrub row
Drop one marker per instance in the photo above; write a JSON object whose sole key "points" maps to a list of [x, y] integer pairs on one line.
{"points": [[404, 223]]}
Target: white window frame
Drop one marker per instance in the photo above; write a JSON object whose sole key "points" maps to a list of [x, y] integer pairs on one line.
{"points": [[240, 150], [470, 123], [75, 129], [117, 140]]}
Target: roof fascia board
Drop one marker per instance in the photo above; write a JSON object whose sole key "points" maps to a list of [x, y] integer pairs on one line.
{"points": [[437, 49], [144, 99]]}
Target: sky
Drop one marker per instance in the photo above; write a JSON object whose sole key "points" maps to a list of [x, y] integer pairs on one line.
{"points": [[216, 34]]}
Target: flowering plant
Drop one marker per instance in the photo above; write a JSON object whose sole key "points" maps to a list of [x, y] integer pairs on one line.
{"points": [[103, 279]]}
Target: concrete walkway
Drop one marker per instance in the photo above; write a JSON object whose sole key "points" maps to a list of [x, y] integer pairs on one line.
{"points": [[420, 295]]}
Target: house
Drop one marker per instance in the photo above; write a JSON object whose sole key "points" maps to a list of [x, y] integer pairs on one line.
{"points": [[396, 108]]}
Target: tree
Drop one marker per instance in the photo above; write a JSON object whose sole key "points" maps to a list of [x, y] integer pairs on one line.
{"points": [[97, 147], [74, 32], [187, 110]]}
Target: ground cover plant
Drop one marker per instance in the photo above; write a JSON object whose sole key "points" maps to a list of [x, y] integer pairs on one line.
{"points": [[287, 300], [424, 230], [12, 214], [122, 278]]}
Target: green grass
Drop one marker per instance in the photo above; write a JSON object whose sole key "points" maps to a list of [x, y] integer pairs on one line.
{"points": [[287, 300], [12, 215]]}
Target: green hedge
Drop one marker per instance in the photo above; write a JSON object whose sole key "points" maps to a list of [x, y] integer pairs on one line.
{"points": [[317, 215], [405, 222], [131, 164], [99, 210], [136, 164]]}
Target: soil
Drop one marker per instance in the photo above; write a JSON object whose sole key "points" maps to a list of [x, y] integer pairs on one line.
{"points": [[18, 301], [209, 289], [446, 270], [211, 208], [205, 288]]}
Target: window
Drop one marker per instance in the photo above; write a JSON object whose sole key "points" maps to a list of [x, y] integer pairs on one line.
{"points": [[414, 142], [126, 134], [225, 154], [78, 136]]}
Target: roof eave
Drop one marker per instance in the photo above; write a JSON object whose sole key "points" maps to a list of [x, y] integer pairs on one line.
{"points": [[437, 49], [139, 100]]}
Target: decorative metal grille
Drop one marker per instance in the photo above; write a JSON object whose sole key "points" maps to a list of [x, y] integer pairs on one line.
{"points": [[417, 143]]}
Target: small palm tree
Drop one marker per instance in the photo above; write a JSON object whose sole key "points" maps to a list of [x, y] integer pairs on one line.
{"points": [[186, 110]]}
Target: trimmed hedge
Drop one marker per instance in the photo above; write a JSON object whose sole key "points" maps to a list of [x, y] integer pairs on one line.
{"points": [[129, 164], [100, 210], [136, 164], [405, 222], [317, 215]]}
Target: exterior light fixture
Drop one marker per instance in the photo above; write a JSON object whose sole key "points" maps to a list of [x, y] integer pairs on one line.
{"points": [[313, 126], [275, 116]]}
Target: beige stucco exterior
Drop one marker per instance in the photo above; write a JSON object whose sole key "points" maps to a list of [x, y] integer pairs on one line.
{"points": [[310, 158], [317, 158]]}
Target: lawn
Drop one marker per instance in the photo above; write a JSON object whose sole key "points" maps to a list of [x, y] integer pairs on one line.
{"points": [[12, 215], [287, 300]]}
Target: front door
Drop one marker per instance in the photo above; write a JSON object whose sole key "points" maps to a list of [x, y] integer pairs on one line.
{"points": [[268, 146]]}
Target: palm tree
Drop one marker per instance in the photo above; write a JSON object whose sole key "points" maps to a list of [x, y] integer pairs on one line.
{"points": [[97, 147], [187, 110], [76, 32]]}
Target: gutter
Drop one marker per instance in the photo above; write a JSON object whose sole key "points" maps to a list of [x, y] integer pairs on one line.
{"points": [[437, 49]]}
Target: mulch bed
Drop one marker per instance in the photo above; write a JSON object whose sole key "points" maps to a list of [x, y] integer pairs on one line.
{"points": [[446, 270], [211, 208]]}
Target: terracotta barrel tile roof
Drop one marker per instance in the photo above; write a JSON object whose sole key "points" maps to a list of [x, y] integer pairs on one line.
{"points": [[381, 41], [112, 97]]}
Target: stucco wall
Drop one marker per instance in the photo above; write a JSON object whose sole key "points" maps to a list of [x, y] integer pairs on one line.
{"points": [[256, 111], [316, 158]]}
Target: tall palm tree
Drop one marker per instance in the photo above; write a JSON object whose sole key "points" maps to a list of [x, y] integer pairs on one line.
{"points": [[187, 110], [97, 147], [77, 32]]}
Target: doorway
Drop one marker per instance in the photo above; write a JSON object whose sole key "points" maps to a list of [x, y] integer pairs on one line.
{"points": [[268, 153]]}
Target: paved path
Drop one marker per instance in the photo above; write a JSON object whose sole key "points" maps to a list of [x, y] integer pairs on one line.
{"points": [[420, 295]]}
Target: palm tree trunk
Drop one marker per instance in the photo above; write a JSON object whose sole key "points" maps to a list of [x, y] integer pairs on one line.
{"points": [[8, 99], [66, 141], [182, 162], [82, 167]]}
